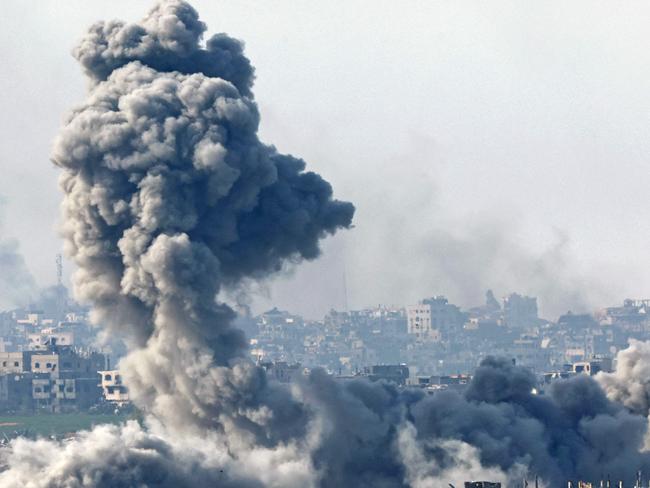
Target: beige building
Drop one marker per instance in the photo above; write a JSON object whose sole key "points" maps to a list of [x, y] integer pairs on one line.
{"points": [[14, 362], [49, 337], [419, 320], [45, 363], [430, 317], [112, 387]]}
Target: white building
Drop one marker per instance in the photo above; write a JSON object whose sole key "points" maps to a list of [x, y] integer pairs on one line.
{"points": [[50, 337], [430, 317], [112, 387]]}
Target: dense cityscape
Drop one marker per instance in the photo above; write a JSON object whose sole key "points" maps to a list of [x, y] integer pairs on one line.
{"points": [[215, 179], [435, 343], [51, 358]]}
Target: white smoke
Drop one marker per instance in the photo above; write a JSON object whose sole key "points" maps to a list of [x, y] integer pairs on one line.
{"points": [[629, 384], [459, 462]]}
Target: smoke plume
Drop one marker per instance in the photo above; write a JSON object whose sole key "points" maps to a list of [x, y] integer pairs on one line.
{"points": [[629, 384], [169, 196], [460, 256], [17, 285]]}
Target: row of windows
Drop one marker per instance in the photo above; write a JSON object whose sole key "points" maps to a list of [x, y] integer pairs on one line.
{"points": [[37, 365], [69, 389], [116, 389]]}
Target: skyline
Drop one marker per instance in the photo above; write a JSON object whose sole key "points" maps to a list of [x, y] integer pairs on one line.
{"points": [[488, 140], [455, 148]]}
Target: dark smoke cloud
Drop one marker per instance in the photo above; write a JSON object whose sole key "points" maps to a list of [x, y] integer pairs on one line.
{"points": [[169, 196], [168, 39], [381, 436]]}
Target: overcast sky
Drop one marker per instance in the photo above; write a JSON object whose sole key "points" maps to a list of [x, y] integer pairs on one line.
{"points": [[485, 144]]}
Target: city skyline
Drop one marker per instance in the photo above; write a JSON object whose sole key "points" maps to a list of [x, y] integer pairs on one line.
{"points": [[496, 194], [227, 171]]}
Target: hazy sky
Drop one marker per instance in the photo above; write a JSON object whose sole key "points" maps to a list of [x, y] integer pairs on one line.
{"points": [[499, 144]]}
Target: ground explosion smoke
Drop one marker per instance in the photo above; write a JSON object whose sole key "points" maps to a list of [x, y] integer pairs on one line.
{"points": [[169, 196], [630, 383]]}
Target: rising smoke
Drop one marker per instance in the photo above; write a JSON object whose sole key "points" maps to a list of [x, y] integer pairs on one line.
{"points": [[168, 197], [630, 383], [17, 285], [425, 249]]}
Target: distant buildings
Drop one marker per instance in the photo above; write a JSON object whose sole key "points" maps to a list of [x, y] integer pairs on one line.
{"points": [[437, 338], [519, 311], [57, 379], [47, 362], [283, 372], [395, 373], [431, 318]]}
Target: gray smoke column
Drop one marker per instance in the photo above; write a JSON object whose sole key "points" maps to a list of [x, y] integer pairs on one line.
{"points": [[169, 196]]}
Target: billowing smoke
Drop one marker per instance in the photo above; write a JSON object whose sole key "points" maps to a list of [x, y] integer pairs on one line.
{"points": [[629, 384], [438, 252], [169, 196], [17, 285]]}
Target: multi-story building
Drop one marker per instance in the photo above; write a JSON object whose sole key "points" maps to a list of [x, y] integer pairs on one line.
{"points": [[55, 379], [113, 389], [16, 391], [430, 319], [15, 362], [50, 337], [519, 311]]}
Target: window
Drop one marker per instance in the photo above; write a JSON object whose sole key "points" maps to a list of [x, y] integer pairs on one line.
{"points": [[48, 365], [118, 378], [38, 389], [46, 389], [37, 365], [108, 377], [69, 389], [61, 388], [16, 363], [4, 363]]}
